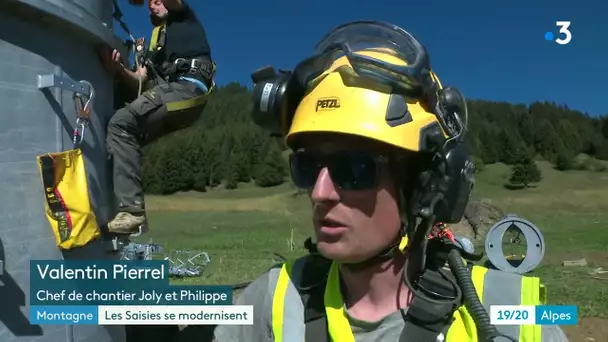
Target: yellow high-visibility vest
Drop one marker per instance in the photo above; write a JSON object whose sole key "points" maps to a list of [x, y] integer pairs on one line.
{"points": [[493, 288]]}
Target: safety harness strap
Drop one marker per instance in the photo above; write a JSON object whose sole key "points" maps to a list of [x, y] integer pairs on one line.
{"points": [[311, 289], [157, 43], [426, 320], [201, 68], [314, 318]]}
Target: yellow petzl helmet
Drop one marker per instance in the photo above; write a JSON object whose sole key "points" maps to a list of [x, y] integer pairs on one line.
{"points": [[341, 101]]}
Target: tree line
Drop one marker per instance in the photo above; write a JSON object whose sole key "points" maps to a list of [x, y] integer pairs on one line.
{"points": [[226, 148]]}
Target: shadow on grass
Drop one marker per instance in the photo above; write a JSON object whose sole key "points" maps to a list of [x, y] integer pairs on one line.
{"points": [[511, 186]]}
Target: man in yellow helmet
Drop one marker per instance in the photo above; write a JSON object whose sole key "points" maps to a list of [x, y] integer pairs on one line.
{"points": [[378, 144]]}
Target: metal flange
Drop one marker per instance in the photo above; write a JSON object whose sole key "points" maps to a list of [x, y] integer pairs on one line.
{"points": [[535, 249]]}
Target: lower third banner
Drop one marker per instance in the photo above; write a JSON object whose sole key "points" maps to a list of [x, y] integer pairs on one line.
{"points": [[143, 315]]}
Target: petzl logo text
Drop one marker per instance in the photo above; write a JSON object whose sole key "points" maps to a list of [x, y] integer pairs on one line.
{"points": [[327, 103]]}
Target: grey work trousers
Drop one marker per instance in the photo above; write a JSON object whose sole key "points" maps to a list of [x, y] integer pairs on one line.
{"points": [[140, 122]]}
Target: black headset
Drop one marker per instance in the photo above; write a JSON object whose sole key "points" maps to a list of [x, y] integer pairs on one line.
{"points": [[275, 99], [444, 189]]}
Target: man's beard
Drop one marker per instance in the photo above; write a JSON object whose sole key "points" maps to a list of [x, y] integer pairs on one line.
{"points": [[157, 20]]}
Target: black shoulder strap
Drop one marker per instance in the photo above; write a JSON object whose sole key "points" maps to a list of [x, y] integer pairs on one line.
{"points": [[314, 316], [312, 291], [426, 320], [162, 38]]}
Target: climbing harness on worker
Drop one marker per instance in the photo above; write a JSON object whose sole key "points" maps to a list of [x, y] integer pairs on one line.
{"points": [[174, 83], [164, 93]]}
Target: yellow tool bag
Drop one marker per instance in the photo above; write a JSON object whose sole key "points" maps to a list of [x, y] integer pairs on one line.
{"points": [[68, 208], [64, 179]]}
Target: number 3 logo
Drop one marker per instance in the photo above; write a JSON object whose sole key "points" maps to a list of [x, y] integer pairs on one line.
{"points": [[563, 29]]}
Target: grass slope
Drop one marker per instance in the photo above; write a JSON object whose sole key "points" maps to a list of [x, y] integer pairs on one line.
{"points": [[241, 228]]}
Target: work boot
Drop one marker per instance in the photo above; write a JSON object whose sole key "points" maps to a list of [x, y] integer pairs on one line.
{"points": [[126, 223]]}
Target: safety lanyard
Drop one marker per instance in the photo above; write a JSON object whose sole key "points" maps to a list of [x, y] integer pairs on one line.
{"points": [[83, 114]]}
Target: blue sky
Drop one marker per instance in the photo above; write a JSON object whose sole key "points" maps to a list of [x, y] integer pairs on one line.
{"points": [[491, 49]]}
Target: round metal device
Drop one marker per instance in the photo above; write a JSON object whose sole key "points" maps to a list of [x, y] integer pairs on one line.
{"points": [[535, 242], [465, 244]]}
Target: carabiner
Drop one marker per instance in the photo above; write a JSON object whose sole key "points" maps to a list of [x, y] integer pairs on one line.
{"points": [[78, 136], [81, 126], [84, 110], [89, 103]]}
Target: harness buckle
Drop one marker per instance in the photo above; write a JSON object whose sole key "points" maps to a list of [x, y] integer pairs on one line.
{"points": [[195, 64]]}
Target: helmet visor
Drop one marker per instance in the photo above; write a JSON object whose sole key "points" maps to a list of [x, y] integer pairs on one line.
{"points": [[408, 71]]}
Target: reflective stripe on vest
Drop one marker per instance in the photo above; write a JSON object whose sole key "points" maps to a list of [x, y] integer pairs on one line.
{"points": [[493, 288], [278, 302], [501, 288], [287, 330]]}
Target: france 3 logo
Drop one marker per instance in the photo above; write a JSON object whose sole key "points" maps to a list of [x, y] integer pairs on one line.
{"points": [[563, 36]]}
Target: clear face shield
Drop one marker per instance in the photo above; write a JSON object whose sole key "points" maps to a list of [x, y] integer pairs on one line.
{"points": [[404, 66], [407, 72], [380, 52]]}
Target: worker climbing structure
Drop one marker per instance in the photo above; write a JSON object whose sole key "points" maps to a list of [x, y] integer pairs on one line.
{"points": [[56, 100]]}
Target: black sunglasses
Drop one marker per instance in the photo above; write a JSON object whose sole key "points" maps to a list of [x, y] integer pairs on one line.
{"points": [[348, 170]]}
